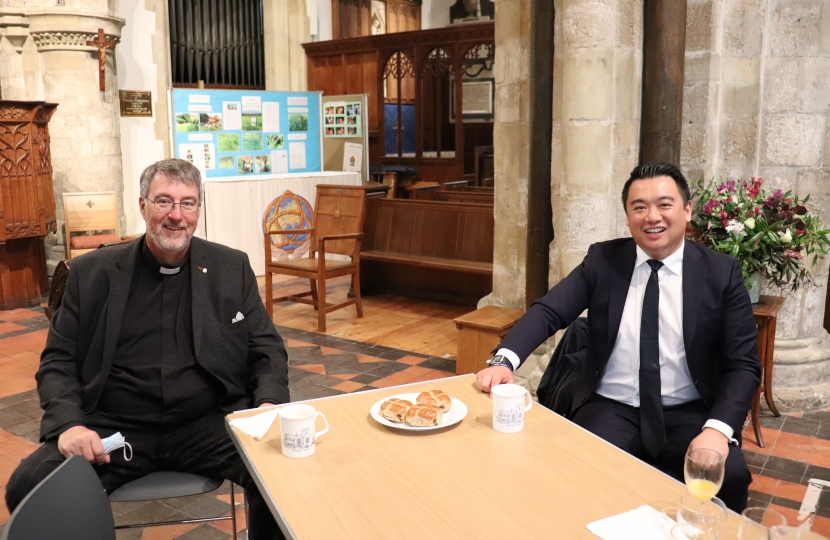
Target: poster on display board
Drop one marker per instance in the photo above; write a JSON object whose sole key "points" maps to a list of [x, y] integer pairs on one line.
{"points": [[246, 132]]}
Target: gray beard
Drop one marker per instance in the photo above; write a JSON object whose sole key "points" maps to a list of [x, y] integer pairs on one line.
{"points": [[168, 245]]}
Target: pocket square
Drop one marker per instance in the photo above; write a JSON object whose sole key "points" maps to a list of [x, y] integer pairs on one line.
{"points": [[239, 317]]}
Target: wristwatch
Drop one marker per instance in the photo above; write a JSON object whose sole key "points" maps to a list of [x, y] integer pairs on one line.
{"points": [[500, 360]]}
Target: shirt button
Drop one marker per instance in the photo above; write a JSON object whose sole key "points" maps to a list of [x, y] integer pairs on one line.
{"points": [[582, 400]]}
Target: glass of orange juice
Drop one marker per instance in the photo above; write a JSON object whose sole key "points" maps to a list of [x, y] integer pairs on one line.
{"points": [[703, 472]]}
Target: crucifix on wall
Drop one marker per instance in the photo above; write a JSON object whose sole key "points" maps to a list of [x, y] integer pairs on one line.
{"points": [[102, 45]]}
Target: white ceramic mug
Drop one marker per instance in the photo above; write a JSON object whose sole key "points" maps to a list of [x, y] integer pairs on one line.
{"points": [[297, 426], [510, 402]]}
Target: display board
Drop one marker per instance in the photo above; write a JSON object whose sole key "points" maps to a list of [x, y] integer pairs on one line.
{"points": [[346, 134], [247, 132]]}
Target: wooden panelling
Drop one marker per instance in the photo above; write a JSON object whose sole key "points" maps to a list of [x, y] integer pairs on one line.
{"points": [[427, 249]]}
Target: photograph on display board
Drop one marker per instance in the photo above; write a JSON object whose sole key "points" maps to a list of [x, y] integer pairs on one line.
{"points": [[227, 162], [210, 122], [228, 142], [276, 141], [252, 142], [298, 122], [329, 131], [251, 122], [263, 164], [329, 110], [340, 110], [329, 120], [246, 164], [340, 131], [339, 113], [186, 122]]}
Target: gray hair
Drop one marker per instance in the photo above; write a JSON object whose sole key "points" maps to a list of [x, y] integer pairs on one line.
{"points": [[176, 170]]}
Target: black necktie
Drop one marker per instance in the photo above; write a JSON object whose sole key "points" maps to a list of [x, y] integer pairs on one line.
{"points": [[652, 430]]}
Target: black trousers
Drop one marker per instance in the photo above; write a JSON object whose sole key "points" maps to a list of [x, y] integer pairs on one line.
{"points": [[202, 447], [619, 424]]}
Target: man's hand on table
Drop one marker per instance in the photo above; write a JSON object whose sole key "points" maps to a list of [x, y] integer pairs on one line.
{"points": [[713, 440], [266, 404], [489, 377], [81, 441]]}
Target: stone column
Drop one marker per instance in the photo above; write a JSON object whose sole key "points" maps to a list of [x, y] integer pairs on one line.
{"points": [[757, 97], [596, 113], [286, 27], [86, 150]]}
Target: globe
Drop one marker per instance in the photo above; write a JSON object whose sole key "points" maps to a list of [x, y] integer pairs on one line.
{"points": [[288, 211]]}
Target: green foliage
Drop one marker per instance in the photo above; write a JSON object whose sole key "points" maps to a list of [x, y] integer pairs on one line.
{"points": [[298, 122]]}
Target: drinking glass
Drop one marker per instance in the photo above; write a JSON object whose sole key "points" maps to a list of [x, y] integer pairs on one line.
{"points": [[703, 472], [783, 532], [687, 531], [704, 515], [757, 521]]}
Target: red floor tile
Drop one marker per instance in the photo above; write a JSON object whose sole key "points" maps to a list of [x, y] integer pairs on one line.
{"points": [[348, 386], [411, 360], [366, 359], [329, 350], [314, 368]]}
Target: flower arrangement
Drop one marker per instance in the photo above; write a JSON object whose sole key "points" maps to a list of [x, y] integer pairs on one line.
{"points": [[769, 234]]}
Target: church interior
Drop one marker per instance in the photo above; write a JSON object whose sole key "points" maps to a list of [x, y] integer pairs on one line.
{"points": [[485, 142]]}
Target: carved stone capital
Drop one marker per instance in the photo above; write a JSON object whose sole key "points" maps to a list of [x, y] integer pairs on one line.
{"points": [[69, 30]]}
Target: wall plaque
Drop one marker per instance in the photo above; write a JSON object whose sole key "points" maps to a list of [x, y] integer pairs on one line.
{"points": [[135, 103]]}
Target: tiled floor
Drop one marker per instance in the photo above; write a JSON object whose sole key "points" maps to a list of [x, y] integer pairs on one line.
{"points": [[797, 446]]}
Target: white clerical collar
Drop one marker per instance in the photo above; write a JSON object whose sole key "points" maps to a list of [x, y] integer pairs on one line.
{"points": [[169, 271], [673, 262]]}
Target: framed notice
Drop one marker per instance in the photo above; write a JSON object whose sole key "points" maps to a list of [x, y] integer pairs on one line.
{"points": [[135, 103], [478, 98]]}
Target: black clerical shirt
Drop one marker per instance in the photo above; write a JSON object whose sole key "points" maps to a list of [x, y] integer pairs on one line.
{"points": [[155, 378]]}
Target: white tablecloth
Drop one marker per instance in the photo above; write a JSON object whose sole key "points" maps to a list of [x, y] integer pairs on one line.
{"points": [[234, 207]]}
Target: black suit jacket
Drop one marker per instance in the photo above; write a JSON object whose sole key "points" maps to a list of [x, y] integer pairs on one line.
{"points": [[719, 331], [247, 357]]}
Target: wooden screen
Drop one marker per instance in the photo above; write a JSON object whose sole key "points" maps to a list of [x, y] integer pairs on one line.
{"points": [[412, 69], [353, 18]]}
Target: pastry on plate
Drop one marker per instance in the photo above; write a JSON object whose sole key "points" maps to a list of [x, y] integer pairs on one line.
{"points": [[423, 416], [394, 409], [435, 398]]}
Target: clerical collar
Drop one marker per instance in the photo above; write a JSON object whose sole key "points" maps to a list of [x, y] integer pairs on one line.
{"points": [[153, 265]]}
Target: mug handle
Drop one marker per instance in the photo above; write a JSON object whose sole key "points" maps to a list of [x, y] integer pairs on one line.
{"points": [[326, 429], [529, 399]]}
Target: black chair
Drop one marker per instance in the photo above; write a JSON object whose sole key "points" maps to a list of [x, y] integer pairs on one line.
{"points": [[167, 485], [69, 504], [556, 389]]}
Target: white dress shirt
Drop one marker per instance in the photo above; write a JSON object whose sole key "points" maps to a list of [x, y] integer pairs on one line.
{"points": [[621, 379]]}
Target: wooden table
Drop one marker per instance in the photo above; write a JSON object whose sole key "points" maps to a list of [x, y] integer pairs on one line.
{"points": [[766, 315], [466, 481]]}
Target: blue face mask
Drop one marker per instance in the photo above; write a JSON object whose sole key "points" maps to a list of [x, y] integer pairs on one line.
{"points": [[116, 441]]}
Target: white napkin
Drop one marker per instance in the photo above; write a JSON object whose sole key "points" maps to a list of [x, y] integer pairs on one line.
{"points": [[643, 523], [257, 425]]}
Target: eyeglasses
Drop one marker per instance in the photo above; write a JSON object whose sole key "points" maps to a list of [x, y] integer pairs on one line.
{"points": [[166, 205]]}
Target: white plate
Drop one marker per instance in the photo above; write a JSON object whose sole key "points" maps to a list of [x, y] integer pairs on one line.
{"points": [[457, 413]]}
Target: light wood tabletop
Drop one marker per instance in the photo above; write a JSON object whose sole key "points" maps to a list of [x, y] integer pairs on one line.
{"points": [[367, 480]]}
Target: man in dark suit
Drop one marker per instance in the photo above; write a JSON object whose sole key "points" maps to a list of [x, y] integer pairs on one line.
{"points": [[672, 362], [158, 339]]}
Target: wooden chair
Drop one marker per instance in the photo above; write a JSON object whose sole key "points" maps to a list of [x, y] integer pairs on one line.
{"points": [[93, 212], [338, 226]]}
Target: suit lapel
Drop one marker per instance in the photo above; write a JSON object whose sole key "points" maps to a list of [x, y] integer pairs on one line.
{"points": [[198, 287], [694, 276], [622, 268], [120, 280]]}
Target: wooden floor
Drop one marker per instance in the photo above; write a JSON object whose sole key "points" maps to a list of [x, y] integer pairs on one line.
{"points": [[393, 321]]}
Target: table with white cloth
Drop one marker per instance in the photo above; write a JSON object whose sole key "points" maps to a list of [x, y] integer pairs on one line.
{"points": [[234, 206]]}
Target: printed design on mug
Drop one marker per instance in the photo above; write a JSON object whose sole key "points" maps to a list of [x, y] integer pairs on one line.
{"points": [[299, 442], [511, 417]]}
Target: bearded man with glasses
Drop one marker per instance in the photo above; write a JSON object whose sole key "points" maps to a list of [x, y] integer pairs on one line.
{"points": [[158, 339]]}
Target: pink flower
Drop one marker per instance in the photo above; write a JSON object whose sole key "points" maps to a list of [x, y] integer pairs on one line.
{"points": [[793, 254], [724, 222]]}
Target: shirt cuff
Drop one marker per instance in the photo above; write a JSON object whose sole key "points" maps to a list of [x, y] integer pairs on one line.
{"points": [[723, 428], [511, 356]]}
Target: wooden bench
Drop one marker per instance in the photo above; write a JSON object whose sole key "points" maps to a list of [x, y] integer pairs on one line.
{"points": [[479, 333], [428, 249]]}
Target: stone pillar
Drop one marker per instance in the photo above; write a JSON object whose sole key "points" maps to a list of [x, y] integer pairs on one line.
{"points": [[286, 27], [596, 114], [44, 56], [757, 98]]}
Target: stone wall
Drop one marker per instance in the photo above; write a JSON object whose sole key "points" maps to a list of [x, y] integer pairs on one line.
{"points": [[756, 103]]}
